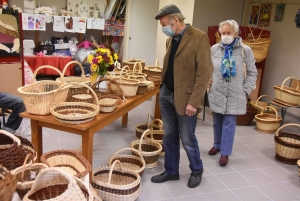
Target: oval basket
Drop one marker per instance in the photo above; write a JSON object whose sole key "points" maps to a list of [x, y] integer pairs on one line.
{"points": [[57, 185], [259, 105], [141, 128], [75, 112], [38, 96], [149, 149], [287, 145], [158, 135], [129, 162], [113, 184], [288, 95], [267, 123], [70, 161], [8, 184], [108, 103]]}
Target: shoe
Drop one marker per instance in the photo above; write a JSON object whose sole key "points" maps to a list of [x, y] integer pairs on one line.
{"points": [[195, 179], [163, 177], [223, 160], [213, 151]]}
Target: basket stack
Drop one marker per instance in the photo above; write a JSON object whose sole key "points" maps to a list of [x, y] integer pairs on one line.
{"points": [[287, 145], [267, 123], [8, 184], [288, 95]]}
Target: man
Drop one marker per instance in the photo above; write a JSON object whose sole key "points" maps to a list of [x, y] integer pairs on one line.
{"points": [[186, 72], [14, 103]]}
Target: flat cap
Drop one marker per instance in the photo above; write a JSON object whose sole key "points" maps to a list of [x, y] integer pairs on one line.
{"points": [[167, 10]]}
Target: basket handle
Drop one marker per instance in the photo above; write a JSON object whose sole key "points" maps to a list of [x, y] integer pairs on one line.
{"points": [[73, 62], [156, 62], [276, 113], [286, 125], [121, 73], [256, 103], [45, 66], [24, 164], [142, 137], [112, 168], [126, 149], [148, 121], [140, 67], [12, 136], [160, 124], [288, 79]]}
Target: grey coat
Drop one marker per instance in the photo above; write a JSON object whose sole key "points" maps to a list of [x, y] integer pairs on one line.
{"points": [[230, 97]]}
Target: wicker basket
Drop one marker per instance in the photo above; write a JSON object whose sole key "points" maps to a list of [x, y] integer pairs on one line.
{"points": [[129, 162], [132, 61], [128, 86], [287, 146], [154, 70], [8, 184], [158, 135], [108, 103], [142, 89], [137, 73], [75, 112], [69, 160], [156, 79], [149, 149], [288, 95], [267, 123], [141, 128], [26, 175], [113, 89], [57, 185], [246, 119], [13, 150], [259, 105], [114, 184], [38, 96]]}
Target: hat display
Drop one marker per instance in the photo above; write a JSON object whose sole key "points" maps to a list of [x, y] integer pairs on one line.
{"points": [[167, 10]]}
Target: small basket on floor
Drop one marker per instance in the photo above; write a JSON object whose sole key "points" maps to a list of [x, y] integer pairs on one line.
{"points": [[246, 119], [114, 184], [288, 95], [140, 128], [8, 184], [287, 145], [149, 149], [69, 160], [267, 123], [129, 162], [158, 135], [108, 103]]}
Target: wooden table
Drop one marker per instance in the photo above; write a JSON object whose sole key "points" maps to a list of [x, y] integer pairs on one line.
{"points": [[86, 130]]}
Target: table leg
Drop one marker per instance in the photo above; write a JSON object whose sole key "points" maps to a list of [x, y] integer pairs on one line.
{"points": [[157, 109], [37, 138], [125, 120], [87, 148]]}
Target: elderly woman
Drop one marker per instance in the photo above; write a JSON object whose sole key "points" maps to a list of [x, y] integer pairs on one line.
{"points": [[230, 85]]}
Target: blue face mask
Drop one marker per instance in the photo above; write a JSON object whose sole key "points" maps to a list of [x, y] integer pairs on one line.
{"points": [[168, 31]]}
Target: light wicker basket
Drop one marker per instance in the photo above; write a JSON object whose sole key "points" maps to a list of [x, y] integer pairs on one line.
{"points": [[57, 185], [114, 184], [8, 184], [259, 105], [288, 95], [128, 86], [149, 149], [38, 96], [287, 145], [108, 103], [137, 73], [132, 61], [267, 123], [129, 162], [75, 112], [155, 70], [158, 135], [69, 160], [156, 79]]}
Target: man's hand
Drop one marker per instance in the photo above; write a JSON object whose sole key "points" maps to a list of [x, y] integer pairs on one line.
{"points": [[190, 110]]}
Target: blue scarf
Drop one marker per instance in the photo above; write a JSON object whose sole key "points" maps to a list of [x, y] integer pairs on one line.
{"points": [[228, 68]]}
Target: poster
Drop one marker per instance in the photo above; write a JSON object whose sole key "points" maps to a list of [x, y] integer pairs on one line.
{"points": [[59, 24], [69, 24], [254, 15], [80, 24], [95, 23], [279, 12], [40, 22], [265, 15]]}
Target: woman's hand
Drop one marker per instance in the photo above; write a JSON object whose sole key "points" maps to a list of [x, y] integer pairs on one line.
{"points": [[190, 110]]}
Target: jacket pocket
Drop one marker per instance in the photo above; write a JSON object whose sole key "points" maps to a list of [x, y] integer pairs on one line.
{"points": [[189, 90]]}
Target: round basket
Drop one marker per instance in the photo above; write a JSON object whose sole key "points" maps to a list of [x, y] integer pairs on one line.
{"points": [[13, 150], [132, 61], [149, 149], [75, 112], [267, 123], [128, 86], [81, 97], [246, 119], [156, 79], [129, 162], [287, 146], [288, 95], [154, 70], [56, 184], [8, 184], [70, 161], [141, 128], [259, 105], [113, 184], [108, 103], [113, 89], [26, 175], [260, 48], [38, 96], [158, 135]]}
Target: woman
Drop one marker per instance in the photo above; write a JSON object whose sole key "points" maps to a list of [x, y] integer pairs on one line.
{"points": [[229, 86]]}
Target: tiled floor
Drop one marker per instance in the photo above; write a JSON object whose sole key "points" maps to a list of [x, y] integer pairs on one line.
{"points": [[252, 172]]}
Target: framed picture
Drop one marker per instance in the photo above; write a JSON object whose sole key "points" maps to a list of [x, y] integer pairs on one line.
{"points": [[254, 15], [279, 12], [265, 15]]}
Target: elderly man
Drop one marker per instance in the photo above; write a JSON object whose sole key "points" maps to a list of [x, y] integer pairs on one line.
{"points": [[186, 72]]}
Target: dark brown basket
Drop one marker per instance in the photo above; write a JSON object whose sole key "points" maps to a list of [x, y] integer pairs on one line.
{"points": [[142, 89], [8, 184], [246, 119], [140, 129]]}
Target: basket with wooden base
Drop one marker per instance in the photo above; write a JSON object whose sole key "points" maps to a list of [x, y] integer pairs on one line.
{"points": [[8, 184], [267, 123], [158, 135], [288, 95]]}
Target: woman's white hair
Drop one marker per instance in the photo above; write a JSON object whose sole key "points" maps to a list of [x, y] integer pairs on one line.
{"points": [[232, 23]]}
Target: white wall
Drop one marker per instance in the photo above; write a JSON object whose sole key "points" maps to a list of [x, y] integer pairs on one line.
{"points": [[283, 58]]}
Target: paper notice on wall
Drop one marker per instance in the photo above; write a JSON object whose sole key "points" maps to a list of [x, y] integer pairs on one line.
{"points": [[69, 24], [29, 6], [79, 24], [28, 21], [40, 22], [95, 23], [59, 24]]}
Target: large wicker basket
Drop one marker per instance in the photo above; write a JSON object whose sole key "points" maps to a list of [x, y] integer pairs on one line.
{"points": [[288, 95], [287, 145], [129, 162], [132, 61], [38, 96], [8, 184], [57, 185], [75, 112], [158, 135], [259, 105], [267, 123], [246, 119], [149, 149], [69, 160], [114, 184]]}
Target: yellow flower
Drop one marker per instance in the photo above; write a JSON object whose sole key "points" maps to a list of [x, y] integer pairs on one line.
{"points": [[94, 67], [111, 62], [116, 56], [90, 58], [100, 59]]}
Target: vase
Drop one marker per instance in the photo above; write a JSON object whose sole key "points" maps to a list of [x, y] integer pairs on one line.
{"points": [[103, 84]]}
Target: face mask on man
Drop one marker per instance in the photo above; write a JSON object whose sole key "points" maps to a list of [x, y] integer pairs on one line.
{"points": [[226, 39], [168, 30]]}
